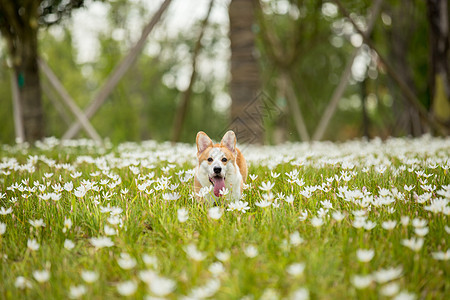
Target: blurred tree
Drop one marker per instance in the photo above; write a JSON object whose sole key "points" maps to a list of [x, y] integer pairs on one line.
{"points": [[400, 37], [180, 115], [245, 84], [19, 23], [438, 12]]}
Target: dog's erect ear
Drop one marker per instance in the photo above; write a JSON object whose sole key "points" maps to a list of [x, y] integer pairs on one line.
{"points": [[203, 142], [229, 141]]}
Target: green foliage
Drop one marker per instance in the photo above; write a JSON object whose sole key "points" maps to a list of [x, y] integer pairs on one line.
{"points": [[316, 51]]}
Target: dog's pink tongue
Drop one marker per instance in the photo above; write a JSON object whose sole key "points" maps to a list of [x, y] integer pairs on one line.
{"points": [[219, 183]]}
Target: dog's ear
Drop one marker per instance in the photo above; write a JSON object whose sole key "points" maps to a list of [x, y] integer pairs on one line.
{"points": [[203, 142], [229, 141]]}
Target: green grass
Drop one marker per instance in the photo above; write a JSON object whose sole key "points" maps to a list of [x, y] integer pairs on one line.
{"points": [[149, 224]]}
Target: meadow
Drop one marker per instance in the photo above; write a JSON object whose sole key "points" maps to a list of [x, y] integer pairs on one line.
{"points": [[353, 220]]}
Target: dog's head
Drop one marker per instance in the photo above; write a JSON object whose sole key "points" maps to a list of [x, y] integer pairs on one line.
{"points": [[217, 161]]}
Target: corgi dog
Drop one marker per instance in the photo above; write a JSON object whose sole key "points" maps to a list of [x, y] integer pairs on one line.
{"points": [[220, 166]]}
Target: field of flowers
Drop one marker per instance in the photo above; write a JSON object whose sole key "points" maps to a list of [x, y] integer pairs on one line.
{"points": [[356, 220]]}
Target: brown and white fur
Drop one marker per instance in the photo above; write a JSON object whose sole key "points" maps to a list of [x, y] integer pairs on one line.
{"points": [[220, 165]]}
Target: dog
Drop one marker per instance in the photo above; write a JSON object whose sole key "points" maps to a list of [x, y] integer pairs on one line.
{"points": [[220, 166]]}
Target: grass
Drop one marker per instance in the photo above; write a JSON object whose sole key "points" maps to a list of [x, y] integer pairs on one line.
{"points": [[383, 181]]}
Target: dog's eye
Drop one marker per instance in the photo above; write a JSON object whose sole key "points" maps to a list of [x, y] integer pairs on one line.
{"points": [[224, 159], [210, 159]]}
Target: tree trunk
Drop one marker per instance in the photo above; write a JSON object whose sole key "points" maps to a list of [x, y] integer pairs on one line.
{"points": [[21, 35], [30, 88], [407, 119], [247, 108], [438, 11]]}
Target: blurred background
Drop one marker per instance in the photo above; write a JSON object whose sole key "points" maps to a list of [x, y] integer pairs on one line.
{"points": [[272, 70]]}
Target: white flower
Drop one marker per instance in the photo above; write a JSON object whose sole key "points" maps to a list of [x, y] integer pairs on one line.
{"points": [[338, 216], [68, 244], [385, 275], [223, 256], [32, 245], [266, 186], [37, 223], [150, 260], [114, 220], [238, 206], [404, 220], [22, 283], [4, 211], [68, 186], [295, 239], [127, 288], [321, 213], [390, 289], [89, 276], [253, 176], [417, 222], [359, 222], [215, 213], [224, 191], [250, 251], [206, 291], [405, 296], [192, 251], [182, 214], [263, 203], [295, 269], [300, 294], [361, 281], [67, 224], [326, 204], [421, 231], [2, 228], [147, 275], [289, 199], [441, 255], [204, 191], [171, 196], [76, 291], [303, 215], [110, 230], [80, 191], [316, 222], [126, 262], [447, 229], [389, 225], [101, 242], [216, 268], [365, 255], [76, 174], [41, 275], [369, 225], [274, 174], [408, 188], [161, 286], [413, 243]]}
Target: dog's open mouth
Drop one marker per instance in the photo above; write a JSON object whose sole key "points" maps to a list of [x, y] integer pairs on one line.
{"points": [[218, 183]]}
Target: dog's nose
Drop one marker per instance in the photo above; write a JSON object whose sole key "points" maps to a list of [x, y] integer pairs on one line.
{"points": [[217, 170]]}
